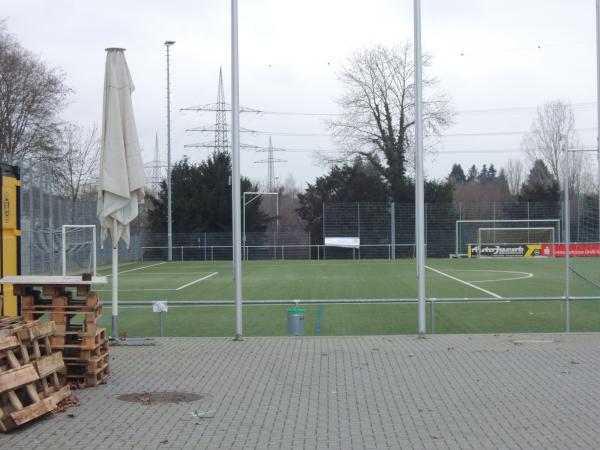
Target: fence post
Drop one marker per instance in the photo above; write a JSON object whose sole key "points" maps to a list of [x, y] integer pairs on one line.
{"points": [[432, 316], [393, 230], [49, 177], [41, 211]]}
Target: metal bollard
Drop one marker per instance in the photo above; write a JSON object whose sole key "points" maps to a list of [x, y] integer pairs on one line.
{"points": [[161, 308]]}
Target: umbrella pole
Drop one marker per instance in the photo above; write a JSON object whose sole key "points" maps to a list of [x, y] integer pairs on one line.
{"points": [[115, 286]]}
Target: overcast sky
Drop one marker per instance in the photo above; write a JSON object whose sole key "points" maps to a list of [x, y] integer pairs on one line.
{"points": [[496, 59]]}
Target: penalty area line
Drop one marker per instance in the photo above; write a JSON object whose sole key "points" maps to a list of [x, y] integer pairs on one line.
{"points": [[196, 281], [137, 268], [463, 282]]}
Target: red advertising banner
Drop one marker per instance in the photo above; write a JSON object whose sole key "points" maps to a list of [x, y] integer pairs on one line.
{"points": [[577, 250]]}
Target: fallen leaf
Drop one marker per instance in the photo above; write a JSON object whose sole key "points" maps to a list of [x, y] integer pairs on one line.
{"points": [[204, 414]]}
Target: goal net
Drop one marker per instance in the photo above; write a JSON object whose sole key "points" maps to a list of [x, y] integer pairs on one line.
{"points": [[78, 249], [529, 241]]}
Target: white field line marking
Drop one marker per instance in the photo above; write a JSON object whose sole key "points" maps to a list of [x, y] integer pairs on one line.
{"points": [[138, 268], [168, 273], [463, 282], [134, 290], [524, 275], [196, 281]]}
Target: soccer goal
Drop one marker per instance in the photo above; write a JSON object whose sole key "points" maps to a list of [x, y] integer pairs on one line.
{"points": [[513, 239], [467, 232], [78, 249]]}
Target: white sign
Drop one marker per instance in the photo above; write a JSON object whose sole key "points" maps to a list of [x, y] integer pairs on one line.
{"points": [[160, 307], [346, 242]]}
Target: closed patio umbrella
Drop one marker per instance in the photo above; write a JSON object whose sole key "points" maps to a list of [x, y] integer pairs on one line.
{"points": [[122, 178]]}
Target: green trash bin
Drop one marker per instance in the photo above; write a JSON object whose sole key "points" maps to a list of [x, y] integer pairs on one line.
{"points": [[295, 321]]}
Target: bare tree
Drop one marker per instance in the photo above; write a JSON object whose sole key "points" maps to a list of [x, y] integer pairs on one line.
{"points": [[377, 122], [76, 164], [31, 97], [555, 122], [515, 175]]}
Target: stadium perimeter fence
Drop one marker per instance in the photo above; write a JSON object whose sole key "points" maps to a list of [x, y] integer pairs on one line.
{"points": [[387, 230], [44, 212]]}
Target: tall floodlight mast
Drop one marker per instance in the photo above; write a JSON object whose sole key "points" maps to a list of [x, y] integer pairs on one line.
{"points": [[169, 205]]}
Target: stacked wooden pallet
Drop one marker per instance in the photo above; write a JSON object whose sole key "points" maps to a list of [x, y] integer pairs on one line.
{"points": [[83, 344], [29, 382]]}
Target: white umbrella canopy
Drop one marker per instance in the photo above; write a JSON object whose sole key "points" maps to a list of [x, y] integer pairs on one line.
{"points": [[122, 178]]}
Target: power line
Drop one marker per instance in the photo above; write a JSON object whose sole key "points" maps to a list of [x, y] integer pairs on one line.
{"points": [[510, 110]]}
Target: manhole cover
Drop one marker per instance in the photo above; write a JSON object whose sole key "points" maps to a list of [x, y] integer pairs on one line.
{"points": [[147, 398]]}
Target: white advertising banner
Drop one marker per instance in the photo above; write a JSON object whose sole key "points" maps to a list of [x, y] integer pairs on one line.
{"points": [[346, 242]]}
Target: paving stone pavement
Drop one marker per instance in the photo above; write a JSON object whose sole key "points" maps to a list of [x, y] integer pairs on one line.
{"points": [[371, 392]]}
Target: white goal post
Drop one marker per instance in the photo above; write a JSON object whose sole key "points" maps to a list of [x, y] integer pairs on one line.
{"points": [[467, 230], [65, 249]]}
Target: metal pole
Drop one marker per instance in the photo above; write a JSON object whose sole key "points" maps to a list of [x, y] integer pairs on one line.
{"points": [[41, 176], [94, 254], [393, 229], [115, 284], [598, 105], [419, 178], [161, 323], [567, 215], [244, 224], [64, 251], [432, 316], [31, 221], [169, 204], [49, 177], [235, 162], [358, 219]]}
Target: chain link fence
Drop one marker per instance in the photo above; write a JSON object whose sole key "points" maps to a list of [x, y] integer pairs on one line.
{"points": [[44, 212], [387, 230]]}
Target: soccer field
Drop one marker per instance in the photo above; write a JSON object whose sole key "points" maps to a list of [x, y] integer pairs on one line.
{"points": [[471, 295]]}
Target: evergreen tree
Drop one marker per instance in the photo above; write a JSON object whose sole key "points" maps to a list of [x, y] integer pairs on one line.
{"points": [[541, 186], [483, 175], [457, 175], [201, 198], [473, 174]]}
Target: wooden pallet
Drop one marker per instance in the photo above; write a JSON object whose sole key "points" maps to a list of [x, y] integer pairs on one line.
{"points": [[75, 351], [79, 366], [75, 310], [29, 383], [85, 340], [64, 315], [88, 379]]}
